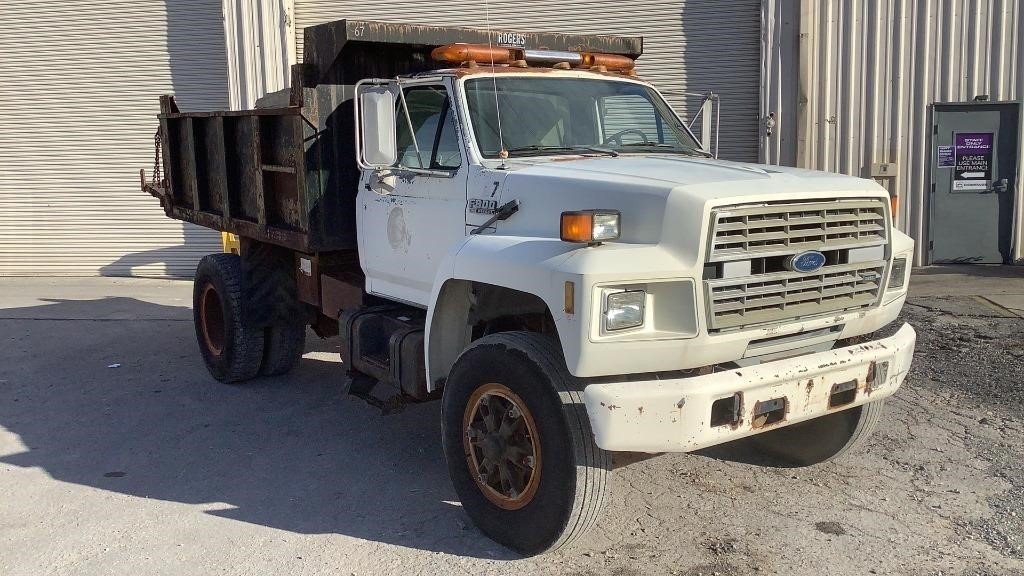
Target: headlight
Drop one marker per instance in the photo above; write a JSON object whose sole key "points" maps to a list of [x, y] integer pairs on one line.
{"points": [[624, 309], [590, 226], [898, 275]]}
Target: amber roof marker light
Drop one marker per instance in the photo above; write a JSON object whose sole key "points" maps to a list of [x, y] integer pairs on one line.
{"points": [[467, 54], [461, 53], [615, 62]]}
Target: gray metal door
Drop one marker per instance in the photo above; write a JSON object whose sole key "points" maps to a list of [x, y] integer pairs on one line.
{"points": [[973, 175]]}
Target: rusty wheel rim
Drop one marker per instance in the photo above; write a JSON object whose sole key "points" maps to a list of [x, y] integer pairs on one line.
{"points": [[211, 316], [502, 446]]}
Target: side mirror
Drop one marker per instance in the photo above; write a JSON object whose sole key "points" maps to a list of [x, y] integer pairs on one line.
{"points": [[706, 110], [376, 146], [707, 113]]}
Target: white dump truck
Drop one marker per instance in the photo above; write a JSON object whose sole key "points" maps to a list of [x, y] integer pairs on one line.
{"points": [[520, 226]]}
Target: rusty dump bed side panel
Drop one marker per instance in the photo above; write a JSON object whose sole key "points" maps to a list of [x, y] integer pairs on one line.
{"points": [[243, 172], [287, 174]]}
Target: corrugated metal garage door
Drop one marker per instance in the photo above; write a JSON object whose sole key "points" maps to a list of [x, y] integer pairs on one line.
{"points": [[689, 46], [79, 82]]}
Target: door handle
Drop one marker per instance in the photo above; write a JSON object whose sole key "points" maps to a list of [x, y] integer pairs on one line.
{"points": [[1000, 186], [381, 182]]}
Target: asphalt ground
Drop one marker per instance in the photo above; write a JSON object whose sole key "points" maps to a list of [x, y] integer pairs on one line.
{"points": [[119, 454]]}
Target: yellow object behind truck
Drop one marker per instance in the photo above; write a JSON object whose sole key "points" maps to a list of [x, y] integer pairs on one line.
{"points": [[230, 242]]}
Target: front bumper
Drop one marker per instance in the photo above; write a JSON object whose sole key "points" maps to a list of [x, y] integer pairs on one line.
{"points": [[676, 415]]}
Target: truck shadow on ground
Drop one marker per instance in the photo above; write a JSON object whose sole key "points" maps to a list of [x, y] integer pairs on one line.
{"points": [[292, 452]]}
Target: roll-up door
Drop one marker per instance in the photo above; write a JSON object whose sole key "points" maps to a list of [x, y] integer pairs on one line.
{"points": [[79, 87], [689, 46]]}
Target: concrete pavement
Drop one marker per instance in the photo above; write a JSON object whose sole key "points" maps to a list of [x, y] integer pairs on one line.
{"points": [[151, 467], [999, 286]]}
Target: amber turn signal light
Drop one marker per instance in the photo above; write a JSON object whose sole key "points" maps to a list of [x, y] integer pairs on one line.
{"points": [[590, 226], [577, 226], [894, 204]]}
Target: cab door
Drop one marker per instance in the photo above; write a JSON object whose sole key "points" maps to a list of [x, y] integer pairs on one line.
{"points": [[411, 215]]}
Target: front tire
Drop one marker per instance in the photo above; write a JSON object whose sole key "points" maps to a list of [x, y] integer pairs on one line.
{"points": [[824, 438], [518, 443], [232, 351]]}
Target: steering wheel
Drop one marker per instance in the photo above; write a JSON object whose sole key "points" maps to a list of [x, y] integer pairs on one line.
{"points": [[617, 137]]}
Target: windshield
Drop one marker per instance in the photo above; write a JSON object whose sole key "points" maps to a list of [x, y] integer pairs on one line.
{"points": [[569, 115]]}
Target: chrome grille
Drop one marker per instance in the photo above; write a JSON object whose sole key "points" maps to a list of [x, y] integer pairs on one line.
{"points": [[763, 298], [763, 230], [749, 284]]}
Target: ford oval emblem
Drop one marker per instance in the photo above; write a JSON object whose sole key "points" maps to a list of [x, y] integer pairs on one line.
{"points": [[806, 262]]}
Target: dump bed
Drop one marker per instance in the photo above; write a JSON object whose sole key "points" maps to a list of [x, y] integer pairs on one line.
{"points": [[287, 175], [243, 172]]}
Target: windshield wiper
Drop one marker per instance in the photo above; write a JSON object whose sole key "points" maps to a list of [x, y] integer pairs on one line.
{"points": [[686, 151], [541, 148], [598, 149], [538, 148]]}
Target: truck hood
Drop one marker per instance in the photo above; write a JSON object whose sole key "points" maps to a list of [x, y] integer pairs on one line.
{"points": [[709, 178], [656, 192]]}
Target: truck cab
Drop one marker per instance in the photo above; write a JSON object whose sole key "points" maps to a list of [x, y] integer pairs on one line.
{"points": [[541, 243]]}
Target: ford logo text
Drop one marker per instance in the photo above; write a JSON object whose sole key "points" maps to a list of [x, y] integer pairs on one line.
{"points": [[806, 262]]}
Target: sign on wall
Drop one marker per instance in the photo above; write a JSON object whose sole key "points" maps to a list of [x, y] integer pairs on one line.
{"points": [[944, 157], [972, 153]]}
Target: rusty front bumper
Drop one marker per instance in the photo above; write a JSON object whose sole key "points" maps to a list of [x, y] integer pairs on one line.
{"points": [[677, 415]]}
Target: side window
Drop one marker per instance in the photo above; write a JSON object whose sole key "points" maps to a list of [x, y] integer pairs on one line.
{"points": [[632, 119], [427, 137]]}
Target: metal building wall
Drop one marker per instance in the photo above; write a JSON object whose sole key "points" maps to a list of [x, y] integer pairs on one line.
{"points": [[79, 88], [851, 81], [260, 45], [689, 46], [780, 91]]}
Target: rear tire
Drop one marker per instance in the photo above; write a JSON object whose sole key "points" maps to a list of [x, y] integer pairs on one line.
{"points": [[283, 347], [232, 352], [823, 439], [531, 478]]}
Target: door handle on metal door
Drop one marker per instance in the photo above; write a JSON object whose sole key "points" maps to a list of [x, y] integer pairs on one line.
{"points": [[1000, 186]]}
